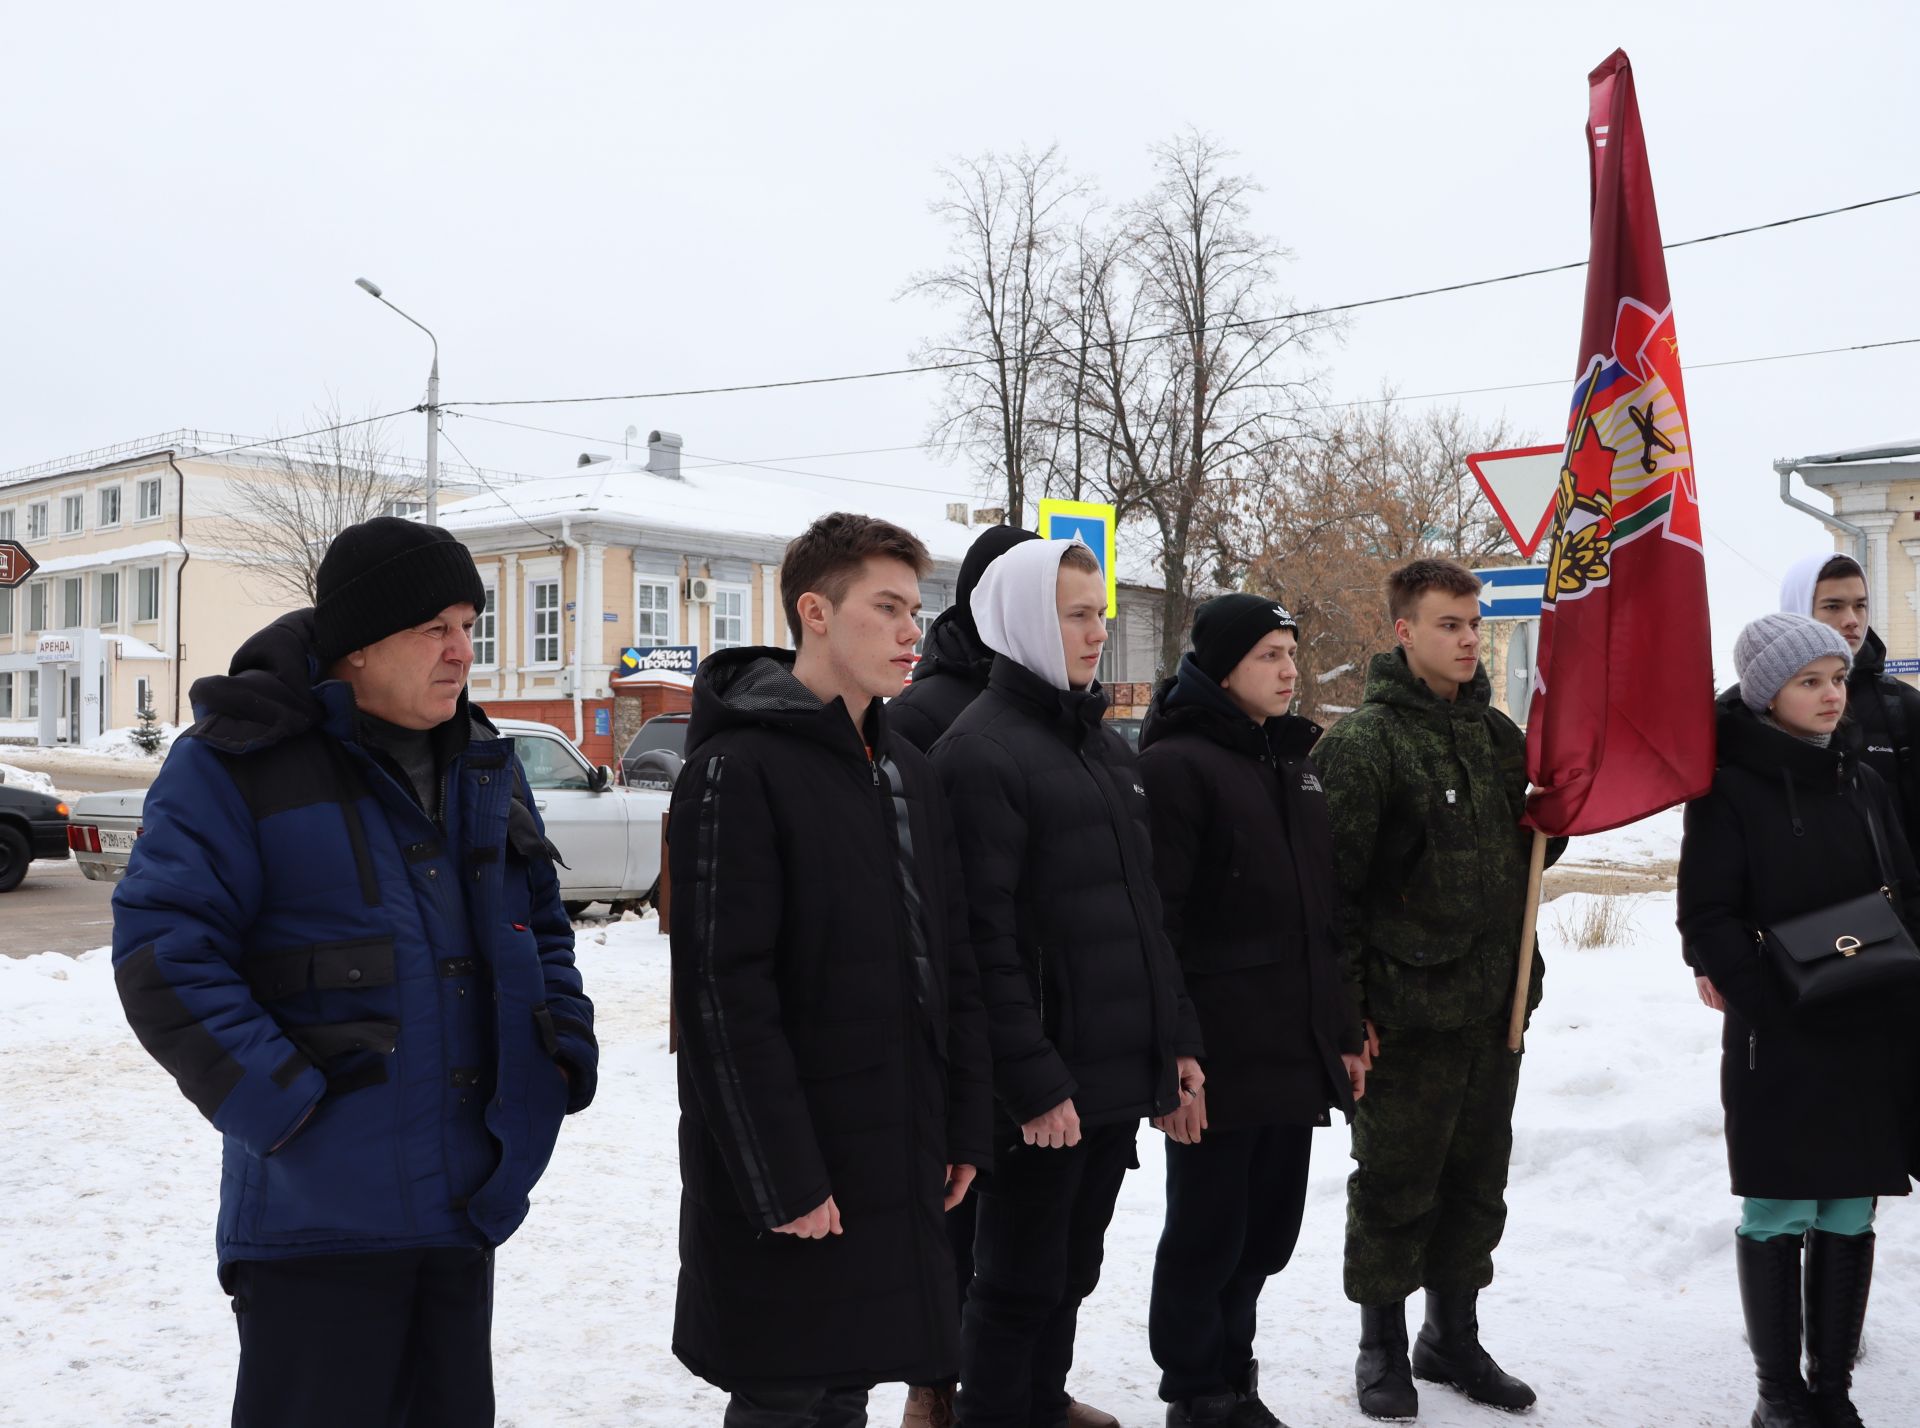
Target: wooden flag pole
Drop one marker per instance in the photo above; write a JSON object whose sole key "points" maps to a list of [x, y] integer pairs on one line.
{"points": [[1523, 983]]}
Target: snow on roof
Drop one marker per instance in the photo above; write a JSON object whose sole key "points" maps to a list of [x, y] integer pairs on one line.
{"points": [[708, 503], [146, 550], [131, 648]]}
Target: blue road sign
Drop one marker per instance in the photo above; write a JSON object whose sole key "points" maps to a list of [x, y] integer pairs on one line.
{"points": [[1512, 592]]}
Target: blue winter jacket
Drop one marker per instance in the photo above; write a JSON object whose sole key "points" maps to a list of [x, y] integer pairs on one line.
{"points": [[375, 1010]]}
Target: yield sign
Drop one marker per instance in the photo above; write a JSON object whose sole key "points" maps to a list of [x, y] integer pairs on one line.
{"points": [[1521, 484], [15, 564]]}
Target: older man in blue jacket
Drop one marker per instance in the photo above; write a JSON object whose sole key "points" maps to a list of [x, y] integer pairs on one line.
{"points": [[341, 933]]}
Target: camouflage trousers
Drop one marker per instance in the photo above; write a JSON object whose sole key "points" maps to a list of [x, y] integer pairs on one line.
{"points": [[1432, 1138]]}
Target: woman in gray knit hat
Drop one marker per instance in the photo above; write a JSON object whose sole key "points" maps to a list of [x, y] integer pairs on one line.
{"points": [[1819, 1118]]}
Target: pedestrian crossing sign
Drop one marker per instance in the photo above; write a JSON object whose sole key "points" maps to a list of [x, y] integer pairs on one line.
{"points": [[1092, 522]]}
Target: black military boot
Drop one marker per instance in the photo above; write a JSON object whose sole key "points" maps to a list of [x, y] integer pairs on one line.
{"points": [[1209, 1410], [1770, 1297], [1839, 1275], [1382, 1374], [1448, 1351], [1250, 1412]]}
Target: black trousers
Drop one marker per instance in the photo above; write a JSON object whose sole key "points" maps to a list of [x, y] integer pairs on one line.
{"points": [[797, 1408], [402, 1339], [1041, 1232], [1234, 1204]]}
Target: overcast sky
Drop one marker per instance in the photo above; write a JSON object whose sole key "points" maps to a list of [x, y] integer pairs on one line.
{"points": [[585, 199]]}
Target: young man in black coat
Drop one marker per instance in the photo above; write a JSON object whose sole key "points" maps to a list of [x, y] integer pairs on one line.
{"points": [[1243, 856], [834, 1087], [1090, 1025], [1882, 727]]}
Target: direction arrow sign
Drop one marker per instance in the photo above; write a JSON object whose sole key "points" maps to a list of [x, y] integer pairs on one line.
{"points": [[1521, 484], [15, 564], [1512, 592]]}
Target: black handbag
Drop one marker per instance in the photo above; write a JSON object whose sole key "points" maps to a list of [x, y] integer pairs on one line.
{"points": [[1850, 949]]}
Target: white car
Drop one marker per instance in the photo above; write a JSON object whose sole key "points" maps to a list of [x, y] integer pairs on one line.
{"points": [[608, 835]]}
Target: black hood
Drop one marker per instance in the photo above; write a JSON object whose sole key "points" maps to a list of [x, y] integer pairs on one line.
{"points": [[988, 546], [1192, 701], [754, 687], [267, 693], [953, 647], [1747, 743], [274, 690]]}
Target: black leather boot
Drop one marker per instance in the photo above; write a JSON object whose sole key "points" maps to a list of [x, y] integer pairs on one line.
{"points": [[1770, 1298], [1250, 1412], [1210, 1410], [1448, 1351], [1382, 1374], [1839, 1276]]}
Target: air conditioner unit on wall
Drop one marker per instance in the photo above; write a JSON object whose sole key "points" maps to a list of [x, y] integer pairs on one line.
{"points": [[699, 590]]}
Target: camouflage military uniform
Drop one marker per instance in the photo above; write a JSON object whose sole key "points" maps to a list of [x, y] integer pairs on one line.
{"points": [[1425, 798]]}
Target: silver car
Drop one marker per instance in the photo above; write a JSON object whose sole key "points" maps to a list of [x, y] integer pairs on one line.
{"points": [[609, 836]]}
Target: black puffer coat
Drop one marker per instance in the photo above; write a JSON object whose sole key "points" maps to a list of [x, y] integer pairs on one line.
{"points": [[1819, 1105], [831, 1038], [1084, 996], [950, 675], [1243, 856], [1882, 728]]}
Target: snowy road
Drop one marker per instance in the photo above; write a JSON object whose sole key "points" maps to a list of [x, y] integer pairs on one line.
{"points": [[1616, 1291]]}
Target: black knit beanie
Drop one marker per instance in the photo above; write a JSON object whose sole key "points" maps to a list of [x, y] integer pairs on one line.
{"points": [[988, 546], [1227, 626], [385, 575]]}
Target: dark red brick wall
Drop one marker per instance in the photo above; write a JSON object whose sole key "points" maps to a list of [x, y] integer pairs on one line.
{"points": [[559, 712]]}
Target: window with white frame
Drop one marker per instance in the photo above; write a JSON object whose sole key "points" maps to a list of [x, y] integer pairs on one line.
{"points": [[37, 521], [653, 612], [37, 607], [925, 619], [146, 594], [73, 513], [6, 524], [404, 509], [149, 499], [32, 677], [543, 613], [73, 602], [6, 696], [142, 694], [106, 593], [729, 616], [6, 612], [109, 506], [486, 647]]}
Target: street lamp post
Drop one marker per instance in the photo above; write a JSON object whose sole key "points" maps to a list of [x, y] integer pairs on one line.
{"points": [[433, 403]]}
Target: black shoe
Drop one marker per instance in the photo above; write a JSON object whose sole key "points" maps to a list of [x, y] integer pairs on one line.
{"points": [[1382, 1374], [1770, 1298], [1211, 1410], [1838, 1278], [1250, 1412], [1448, 1351]]}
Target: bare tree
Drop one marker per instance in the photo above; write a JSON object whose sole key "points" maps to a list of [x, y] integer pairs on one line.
{"points": [[1005, 215], [1176, 350], [284, 512]]}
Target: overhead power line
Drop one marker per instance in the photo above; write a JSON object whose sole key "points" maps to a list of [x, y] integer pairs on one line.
{"points": [[1328, 311]]}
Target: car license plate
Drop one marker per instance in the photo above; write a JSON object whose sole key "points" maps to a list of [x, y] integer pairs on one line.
{"points": [[112, 841]]}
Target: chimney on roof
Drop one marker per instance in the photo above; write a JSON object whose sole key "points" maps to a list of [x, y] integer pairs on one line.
{"points": [[957, 511], [588, 458], [663, 454], [990, 516]]}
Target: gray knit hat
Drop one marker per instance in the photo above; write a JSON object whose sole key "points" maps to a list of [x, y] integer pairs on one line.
{"points": [[1774, 648]]}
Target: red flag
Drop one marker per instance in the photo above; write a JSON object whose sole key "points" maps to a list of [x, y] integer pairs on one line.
{"points": [[1622, 718]]}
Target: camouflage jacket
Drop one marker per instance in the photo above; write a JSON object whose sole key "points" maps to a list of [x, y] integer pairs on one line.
{"points": [[1425, 798]]}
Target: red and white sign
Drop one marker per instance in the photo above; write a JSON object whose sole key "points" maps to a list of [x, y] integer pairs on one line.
{"points": [[1521, 485], [15, 564]]}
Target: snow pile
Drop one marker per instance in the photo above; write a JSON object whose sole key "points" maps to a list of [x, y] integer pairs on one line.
{"points": [[1616, 1293], [25, 778], [118, 743]]}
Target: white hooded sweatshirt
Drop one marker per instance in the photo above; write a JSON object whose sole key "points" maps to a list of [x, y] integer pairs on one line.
{"points": [[1016, 609], [1796, 587]]}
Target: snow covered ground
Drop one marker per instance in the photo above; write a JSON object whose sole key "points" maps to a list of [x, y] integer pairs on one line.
{"points": [[1615, 1294], [15, 777]]}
